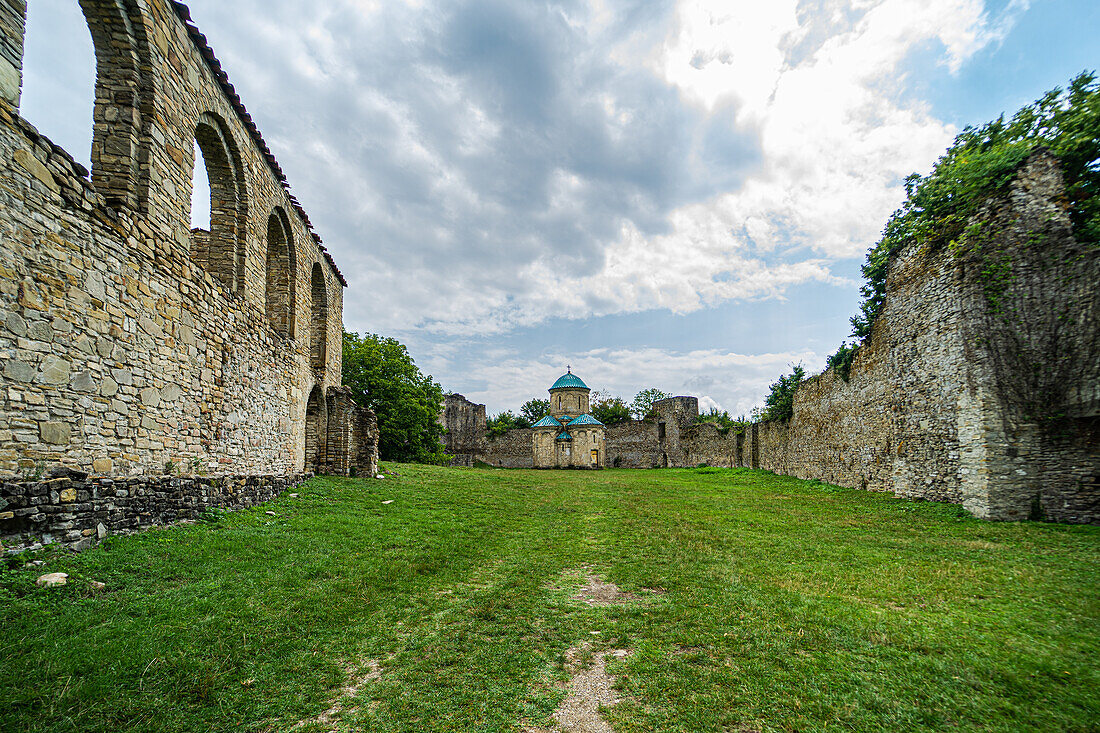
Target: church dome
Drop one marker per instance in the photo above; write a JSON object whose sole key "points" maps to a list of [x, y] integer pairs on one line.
{"points": [[569, 380]]}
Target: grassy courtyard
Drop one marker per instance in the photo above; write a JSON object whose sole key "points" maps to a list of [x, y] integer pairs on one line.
{"points": [[757, 602]]}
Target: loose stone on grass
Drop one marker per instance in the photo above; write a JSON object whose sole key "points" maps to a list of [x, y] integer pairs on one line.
{"points": [[51, 579]]}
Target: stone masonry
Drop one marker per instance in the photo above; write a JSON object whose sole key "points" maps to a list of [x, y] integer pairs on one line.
{"points": [[919, 416], [128, 342]]}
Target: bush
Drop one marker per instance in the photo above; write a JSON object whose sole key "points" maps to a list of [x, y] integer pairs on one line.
{"points": [[608, 409], [841, 361], [642, 406], [981, 162], [503, 422], [779, 404]]}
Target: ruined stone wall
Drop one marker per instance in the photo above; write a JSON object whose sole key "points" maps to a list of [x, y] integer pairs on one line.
{"points": [[76, 510], [919, 416], [464, 423], [128, 343], [511, 450]]}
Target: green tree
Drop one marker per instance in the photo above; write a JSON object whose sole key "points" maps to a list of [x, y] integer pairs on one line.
{"points": [[502, 422], [534, 410], [723, 420], [609, 409], [779, 404], [383, 377], [642, 406]]}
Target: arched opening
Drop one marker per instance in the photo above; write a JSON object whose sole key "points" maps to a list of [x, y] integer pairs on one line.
{"points": [[318, 331], [279, 290], [55, 64], [59, 76], [315, 431], [220, 250], [200, 193]]}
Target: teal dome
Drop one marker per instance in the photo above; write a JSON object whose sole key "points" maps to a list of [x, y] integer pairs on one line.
{"points": [[584, 420], [569, 380]]}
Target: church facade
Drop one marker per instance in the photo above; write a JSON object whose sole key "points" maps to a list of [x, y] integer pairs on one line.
{"points": [[569, 437]]}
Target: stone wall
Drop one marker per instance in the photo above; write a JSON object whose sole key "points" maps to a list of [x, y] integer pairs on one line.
{"points": [[76, 510], [511, 450], [921, 415], [130, 343], [924, 414], [465, 431]]}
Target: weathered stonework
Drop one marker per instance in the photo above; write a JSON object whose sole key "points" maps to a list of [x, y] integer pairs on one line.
{"points": [[78, 511], [919, 416], [129, 342], [464, 423]]}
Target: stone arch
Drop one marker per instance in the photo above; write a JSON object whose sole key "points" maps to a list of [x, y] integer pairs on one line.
{"points": [[280, 268], [221, 250], [316, 430], [124, 89], [123, 101], [318, 329]]}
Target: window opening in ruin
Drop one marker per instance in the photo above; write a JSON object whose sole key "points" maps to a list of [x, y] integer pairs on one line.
{"points": [[279, 288], [200, 194], [218, 249], [318, 332], [59, 75], [315, 431], [660, 431]]}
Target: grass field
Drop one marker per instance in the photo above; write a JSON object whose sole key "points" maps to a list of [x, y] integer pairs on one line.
{"points": [[761, 603]]}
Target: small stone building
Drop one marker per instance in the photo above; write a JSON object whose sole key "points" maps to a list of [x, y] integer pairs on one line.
{"points": [[568, 437]]}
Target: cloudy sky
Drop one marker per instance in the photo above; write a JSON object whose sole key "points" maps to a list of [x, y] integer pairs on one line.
{"points": [[662, 194]]}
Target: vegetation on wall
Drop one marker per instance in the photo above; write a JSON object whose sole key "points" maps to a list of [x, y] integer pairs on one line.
{"points": [[841, 361], [722, 419], [981, 162], [779, 404], [1034, 343], [502, 422], [534, 410], [383, 377], [609, 409], [642, 405]]}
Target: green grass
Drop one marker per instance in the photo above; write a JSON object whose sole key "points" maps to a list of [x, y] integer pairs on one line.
{"points": [[782, 605]]}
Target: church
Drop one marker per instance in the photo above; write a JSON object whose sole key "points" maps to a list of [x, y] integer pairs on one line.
{"points": [[568, 437]]}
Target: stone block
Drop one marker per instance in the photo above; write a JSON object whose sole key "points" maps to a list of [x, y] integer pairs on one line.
{"points": [[15, 323], [84, 382], [19, 371], [55, 433], [55, 370], [102, 465], [150, 397]]}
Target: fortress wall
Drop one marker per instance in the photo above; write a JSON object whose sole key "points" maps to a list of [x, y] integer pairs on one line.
{"points": [[465, 436], [130, 344], [919, 417], [633, 444], [513, 449]]}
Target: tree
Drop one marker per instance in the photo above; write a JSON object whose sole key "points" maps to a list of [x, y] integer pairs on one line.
{"points": [[609, 409], [383, 377], [502, 422], [642, 406], [534, 410], [723, 420], [779, 404]]}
